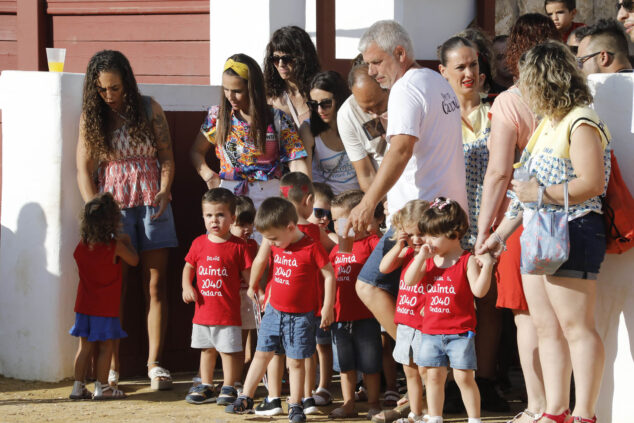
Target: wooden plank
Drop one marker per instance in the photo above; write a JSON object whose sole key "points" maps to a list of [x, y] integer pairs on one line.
{"points": [[10, 62], [82, 7], [8, 24], [130, 28], [31, 31], [485, 11], [149, 58], [8, 6]]}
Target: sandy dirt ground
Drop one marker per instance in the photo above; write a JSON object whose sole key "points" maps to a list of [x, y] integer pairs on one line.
{"points": [[27, 401]]}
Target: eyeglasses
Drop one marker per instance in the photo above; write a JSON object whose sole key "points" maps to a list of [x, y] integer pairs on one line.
{"points": [[574, 49], [583, 59], [324, 104], [321, 213], [626, 4], [286, 59]]}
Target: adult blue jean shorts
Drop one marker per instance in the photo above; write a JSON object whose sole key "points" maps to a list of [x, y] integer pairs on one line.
{"points": [[293, 333], [356, 345], [147, 234], [587, 248], [456, 351], [407, 345], [370, 273]]}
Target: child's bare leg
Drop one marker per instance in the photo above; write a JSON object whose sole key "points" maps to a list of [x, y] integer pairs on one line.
{"points": [[435, 385], [207, 365], [348, 384], [310, 368], [103, 361], [232, 364], [83, 359], [275, 372], [324, 351], [296, 374], [389, 365], [415, 389], [469, 391], [372, 384], [256, 371], [114, 363], [246, 345]]}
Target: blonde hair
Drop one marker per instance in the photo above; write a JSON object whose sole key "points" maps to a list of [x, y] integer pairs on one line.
{"points": [[412, 212], [552, 80]]}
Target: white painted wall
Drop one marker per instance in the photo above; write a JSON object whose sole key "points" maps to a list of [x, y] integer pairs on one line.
{"points": [[614, 102], [40, 206]]}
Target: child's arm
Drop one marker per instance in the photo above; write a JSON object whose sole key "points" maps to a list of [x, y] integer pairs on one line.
{"points": [[418, 268], [333, 237], [258, 267], [189, 293], [327, 310], [325, 240], [479, 270], [394, 258], [125, 250]]}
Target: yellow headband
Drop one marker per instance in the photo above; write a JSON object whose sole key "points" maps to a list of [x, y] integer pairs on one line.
{"points": [[240, 68]]}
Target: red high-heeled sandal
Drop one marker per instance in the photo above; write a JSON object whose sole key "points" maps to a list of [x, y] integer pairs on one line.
{"points": [[573, 419], [557, 418]]}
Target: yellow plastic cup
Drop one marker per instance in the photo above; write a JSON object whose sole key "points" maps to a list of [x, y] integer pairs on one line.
{"points": [[56, 57]]}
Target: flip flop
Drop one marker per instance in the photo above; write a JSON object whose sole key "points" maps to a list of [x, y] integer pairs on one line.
{"points": [[341, 413], [388, 416]]}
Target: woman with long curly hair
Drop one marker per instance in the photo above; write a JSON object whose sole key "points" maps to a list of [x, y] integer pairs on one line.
{"points": [[254, 142], [124, 148], [570, 146], [512, 123], [291, 62]]}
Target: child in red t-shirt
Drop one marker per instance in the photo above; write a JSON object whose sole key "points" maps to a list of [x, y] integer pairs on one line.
{"points": [[99, 292], [219, 261], [562, 13], [288, 321], [409, 240], [356, 335], [451, 278]]}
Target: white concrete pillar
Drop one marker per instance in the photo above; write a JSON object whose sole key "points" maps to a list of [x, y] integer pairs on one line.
{"points": [[246, 27]]}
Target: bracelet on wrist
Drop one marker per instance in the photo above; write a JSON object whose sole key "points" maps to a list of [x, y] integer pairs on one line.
{"points": [[499, 240]]}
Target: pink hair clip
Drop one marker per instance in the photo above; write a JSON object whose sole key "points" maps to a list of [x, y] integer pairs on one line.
{"points": [[440, 204], [285, 190]]}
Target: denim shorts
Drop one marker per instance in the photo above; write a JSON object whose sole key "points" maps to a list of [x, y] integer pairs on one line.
{"points": [[357, 346], [456, 351], [147, 234], [407, 345], [322, 337], [292, 333], [224, 339], [587, 248], [370, 273]]}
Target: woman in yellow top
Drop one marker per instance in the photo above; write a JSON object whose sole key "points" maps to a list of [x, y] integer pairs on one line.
{"points": [[570, 145]]}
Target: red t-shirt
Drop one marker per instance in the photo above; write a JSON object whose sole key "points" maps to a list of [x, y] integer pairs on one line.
{"points": [[449, 307], [409, 300], [99, 289], [573, 26], [311, 230], [348, 305], [295, 279], [252, 247], [218, 274]]}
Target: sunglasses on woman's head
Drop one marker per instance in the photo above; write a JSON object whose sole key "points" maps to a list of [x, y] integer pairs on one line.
{"points": [[321, 213], [286, 59], [324, 104], [627, 4]]}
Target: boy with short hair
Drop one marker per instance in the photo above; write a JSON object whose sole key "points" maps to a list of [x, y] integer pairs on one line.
{"points": [[219, 261], [356, 335], [288, 321], [562, 13]]}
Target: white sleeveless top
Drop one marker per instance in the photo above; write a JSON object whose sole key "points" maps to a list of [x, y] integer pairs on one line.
{"points": [[333, 168]]}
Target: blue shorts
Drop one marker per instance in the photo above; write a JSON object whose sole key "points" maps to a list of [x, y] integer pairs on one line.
{"points": [[357, 346], [290, 333], [587, 248], [97, 328], [370, 273], [456, 351], [322, 337], [407, 345], [147, 234]]}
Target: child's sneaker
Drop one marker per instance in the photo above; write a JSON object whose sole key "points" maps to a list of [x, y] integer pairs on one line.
{"points": [[296, 413], [242, 405], [269, 408], [201, 394], [228, 395], [309, 406]]}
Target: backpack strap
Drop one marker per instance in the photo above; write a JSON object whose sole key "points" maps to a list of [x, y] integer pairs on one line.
{"points": [[594, 125]]}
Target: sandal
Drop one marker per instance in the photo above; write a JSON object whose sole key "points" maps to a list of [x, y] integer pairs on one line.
{"points": [[573, 419], [160, 378], [373, 412], [113, 378], [361, 395], [341, 413], [322, 397], [100, 393], [532, 416], [80, 392], [558, 418], [411, 418], [388, 416], [390, 398]]}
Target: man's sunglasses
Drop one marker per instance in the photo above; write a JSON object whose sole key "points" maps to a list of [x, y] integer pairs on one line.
{"points": [[324, 104], [627, 4], [321, 213], [286, 59]]}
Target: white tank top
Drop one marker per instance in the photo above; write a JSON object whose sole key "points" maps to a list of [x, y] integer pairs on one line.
{"points": [[333, 168]]}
